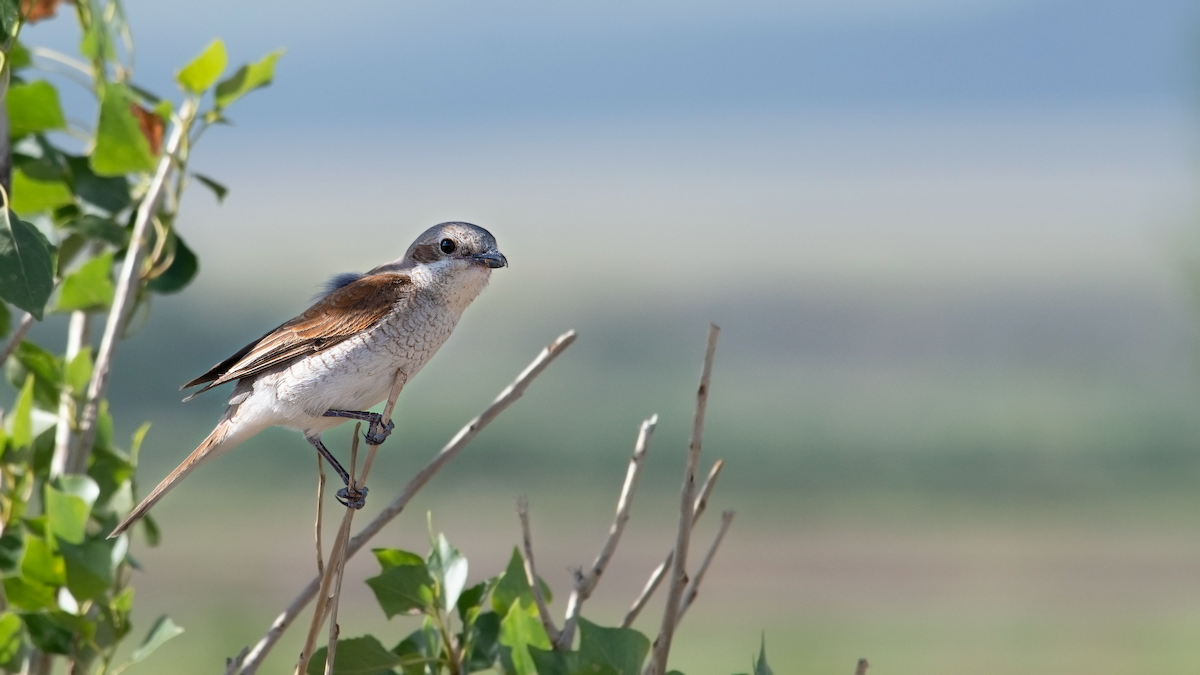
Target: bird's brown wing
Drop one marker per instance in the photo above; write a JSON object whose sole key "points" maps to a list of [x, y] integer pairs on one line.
{"points": [[338, 316]]}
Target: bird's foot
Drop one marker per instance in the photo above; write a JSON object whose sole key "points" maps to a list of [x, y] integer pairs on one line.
{"points": [[352, 498], [377, 433]]}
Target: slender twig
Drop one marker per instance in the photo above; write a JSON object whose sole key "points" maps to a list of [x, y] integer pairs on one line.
{"points": [[123, 300], [657, 575], [531, 572], [861, 668], [320, 510], [662, 645], [334, 629], [693, 587], [64, 433], [586, 583], [17, 336], [233, 665], [331, 581], [464, 436]]}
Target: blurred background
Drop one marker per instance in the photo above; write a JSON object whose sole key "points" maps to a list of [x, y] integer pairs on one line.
{"points": [[951, 245]]}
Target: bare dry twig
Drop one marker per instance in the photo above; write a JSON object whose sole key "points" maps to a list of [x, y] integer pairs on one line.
{"points": [[662, 644], [586, 583], [657, 575], [331, 580], [531, 572], [320, 510], [17, 336], [693, 587], [506, 398]]}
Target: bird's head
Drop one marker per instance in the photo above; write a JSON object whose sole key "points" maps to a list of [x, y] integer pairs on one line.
{"points": [[454, 247]]}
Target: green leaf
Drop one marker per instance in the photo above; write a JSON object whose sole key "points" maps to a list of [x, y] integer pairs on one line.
{"points": [[41, 563], [356, 656], [448, 567], [760, 664], [12, 545], [247, 79], [26, 264], [31, 595], [121, 147], [5, 320], [29, 358], [219, 190], [79, 371], [89, 287], [30, 195], [19, 57], [10, 16], [22, 421], [98, 228], [520, 629], [11, 641], [89, 568], [404, 584], [67, 509], [622, 649], [48, 634], [421, 651], [183, 269], [514, 585], [33, 107], [109, 193], [485, 642], [199, 75], [163, 629]]}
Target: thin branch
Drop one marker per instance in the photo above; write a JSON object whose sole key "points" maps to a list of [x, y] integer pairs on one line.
{"points": [[657, 575], [320, 511], [662, 645], [861, 669], [331, 581], [64, 433], [531, 572], [123, 300], [585, 584], [334, 629], [233, 665], [693, 587], [464, 436], [17, 336]]}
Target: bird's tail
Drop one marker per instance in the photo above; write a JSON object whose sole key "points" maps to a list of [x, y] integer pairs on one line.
{"points": [[217, 442]]}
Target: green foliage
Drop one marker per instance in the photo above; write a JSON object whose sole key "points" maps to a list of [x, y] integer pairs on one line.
{"points": [[492, 626], [66, 585]]}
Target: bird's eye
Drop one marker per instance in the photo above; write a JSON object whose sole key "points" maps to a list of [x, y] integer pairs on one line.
{"points": [[448, 246]]}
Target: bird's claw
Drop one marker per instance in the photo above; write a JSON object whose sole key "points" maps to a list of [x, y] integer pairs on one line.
{"points": [[352, 498], [377, 433]]}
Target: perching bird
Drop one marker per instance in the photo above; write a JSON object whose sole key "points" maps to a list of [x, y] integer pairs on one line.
{"points": [[340, 356]]}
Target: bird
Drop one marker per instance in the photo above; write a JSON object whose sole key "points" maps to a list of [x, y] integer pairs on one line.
{"points": [[340, 357]]}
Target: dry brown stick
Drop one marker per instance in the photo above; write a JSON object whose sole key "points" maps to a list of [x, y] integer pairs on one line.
{"points": [[586, 583], [464, 436], [861, 668], [693, 587], [333, 572], [334, 630], [320, 510], [678, 578], [531, 571], [657, 574]]}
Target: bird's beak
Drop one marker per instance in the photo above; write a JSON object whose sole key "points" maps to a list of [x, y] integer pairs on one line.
{"points": [[492, 259]]}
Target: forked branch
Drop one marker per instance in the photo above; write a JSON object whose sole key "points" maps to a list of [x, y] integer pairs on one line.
{"points": [[507, 397]]}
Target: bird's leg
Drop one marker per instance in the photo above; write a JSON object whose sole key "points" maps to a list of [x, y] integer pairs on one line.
{"points": [[348, 496], [376, 431]]}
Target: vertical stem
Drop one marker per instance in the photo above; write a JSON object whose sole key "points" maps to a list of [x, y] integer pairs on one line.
{"points": [[64, 434]]}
